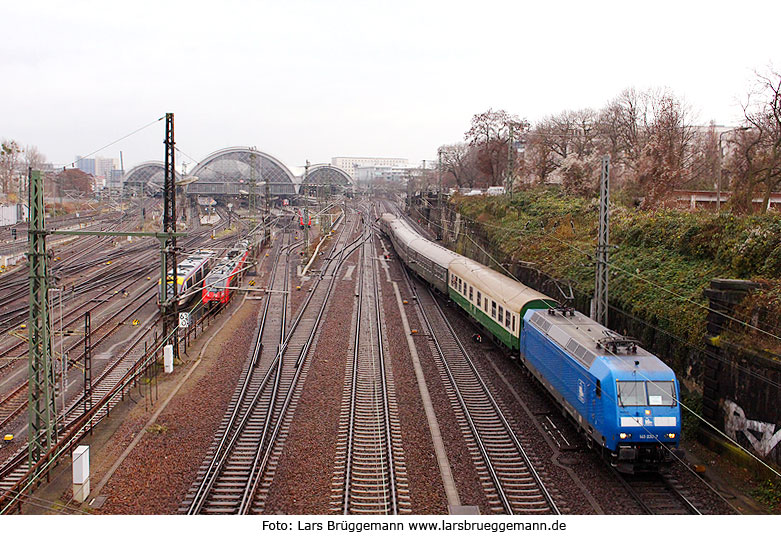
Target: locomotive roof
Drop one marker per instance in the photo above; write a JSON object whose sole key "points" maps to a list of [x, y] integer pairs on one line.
{"points": [[513, 294], [579, 336]]}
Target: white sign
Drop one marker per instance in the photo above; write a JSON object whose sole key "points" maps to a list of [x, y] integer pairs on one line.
{"points": [[184, 319]]}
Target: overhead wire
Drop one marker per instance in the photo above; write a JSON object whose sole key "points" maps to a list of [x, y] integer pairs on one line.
{"points": [[692, 345], [673, 454], [646, 323], [116, 141], [683, 405], [626, 272]]}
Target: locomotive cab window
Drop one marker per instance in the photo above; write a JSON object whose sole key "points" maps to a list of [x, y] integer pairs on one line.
{"points": [[661, 393], [631, 393]]}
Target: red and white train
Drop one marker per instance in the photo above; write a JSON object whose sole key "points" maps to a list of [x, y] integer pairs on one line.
{"points": [[225, 277]]}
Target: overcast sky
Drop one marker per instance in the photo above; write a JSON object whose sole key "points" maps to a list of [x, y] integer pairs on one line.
{"points": [[316, 79]]}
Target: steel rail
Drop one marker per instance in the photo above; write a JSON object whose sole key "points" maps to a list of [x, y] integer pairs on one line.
{"points": [[467, 413], [383, 385], [228, 440]]}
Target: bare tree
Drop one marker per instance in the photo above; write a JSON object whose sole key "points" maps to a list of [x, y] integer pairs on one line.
{"points": [[33, 158], [705, 159], [619, 127], [459, 165], [757, 162], [540, 158], [665, 156], [74, 180], [9, 159], [490, 135], [557, 138]]}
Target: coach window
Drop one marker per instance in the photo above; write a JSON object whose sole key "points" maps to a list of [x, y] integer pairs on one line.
{"points": [[507, 319], [479, 299], [501, 312], [470, 293], [493, 309], [513, 323]]}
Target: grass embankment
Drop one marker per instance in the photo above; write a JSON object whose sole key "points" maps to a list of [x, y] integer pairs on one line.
{"points": [[661, 262]]}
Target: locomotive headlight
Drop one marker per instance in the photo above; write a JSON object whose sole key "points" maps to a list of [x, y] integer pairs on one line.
{"points": [[671, 435], [624, 436]]}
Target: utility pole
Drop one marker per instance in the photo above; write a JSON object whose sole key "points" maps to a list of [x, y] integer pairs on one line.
{"points": [[306, 211], [253, 200], [42, 409], [87, 363], [267, 207], [603, 244], [439, 195], [509, 179], [169, 294], [42, 433]]}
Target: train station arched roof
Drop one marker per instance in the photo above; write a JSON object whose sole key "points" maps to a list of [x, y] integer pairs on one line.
{"points": [[230, 172], [325, 174], [149, 176]]}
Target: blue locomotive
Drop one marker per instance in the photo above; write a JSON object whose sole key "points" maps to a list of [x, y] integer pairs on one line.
{"points": [[623, 398]]}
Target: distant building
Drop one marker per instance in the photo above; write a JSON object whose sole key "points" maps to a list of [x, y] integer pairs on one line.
{"points": [[87, 165], [391, 174], [114, 179], [104, 167], [350, 164]]}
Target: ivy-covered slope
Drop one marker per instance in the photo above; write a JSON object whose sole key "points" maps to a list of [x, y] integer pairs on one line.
{"points": [[661, 260]]}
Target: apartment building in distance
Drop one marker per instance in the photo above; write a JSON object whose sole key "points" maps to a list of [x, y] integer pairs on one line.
{"points": [[351, 164]]}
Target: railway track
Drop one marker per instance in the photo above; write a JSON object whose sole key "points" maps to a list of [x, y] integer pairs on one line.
{"points": [[14, 401], [241, 464], [510, 481], [656, 494], [15, 467], [233, 455], [370, 475]]}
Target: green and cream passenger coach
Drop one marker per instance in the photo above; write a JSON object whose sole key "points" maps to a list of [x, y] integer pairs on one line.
{"points": [[494, 300]]}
